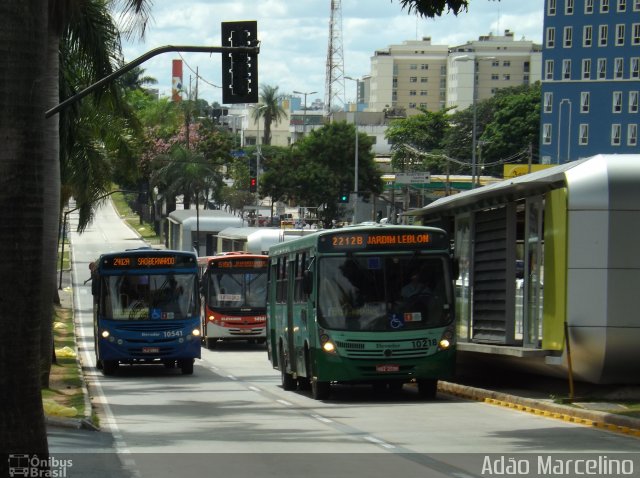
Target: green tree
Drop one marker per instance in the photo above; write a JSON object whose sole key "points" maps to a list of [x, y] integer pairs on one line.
{"points": [[269, 108], [324, 162], [411, 137], [515, 126], [279, 179], [432, 8]]}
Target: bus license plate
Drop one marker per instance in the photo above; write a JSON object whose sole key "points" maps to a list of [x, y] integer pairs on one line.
{"points": [[388, 368], [150, 350]]}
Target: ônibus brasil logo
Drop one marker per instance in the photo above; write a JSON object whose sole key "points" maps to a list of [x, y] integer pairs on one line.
{"points": [[33, 466]]}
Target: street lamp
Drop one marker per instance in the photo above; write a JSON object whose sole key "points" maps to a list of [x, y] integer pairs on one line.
{"points": [[474, 100], [355, 174], [304, 114]]}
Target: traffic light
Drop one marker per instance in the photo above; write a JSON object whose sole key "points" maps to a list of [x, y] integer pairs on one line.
{"points": [[239, 70], [253, 184], [344, 196]]}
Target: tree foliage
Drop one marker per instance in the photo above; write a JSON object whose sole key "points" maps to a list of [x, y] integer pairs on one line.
{"points": [[269, 108], [324, 162], [421, 133], [433, 8]]}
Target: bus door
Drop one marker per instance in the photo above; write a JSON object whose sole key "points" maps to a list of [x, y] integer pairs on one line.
{"points": [[291, 338]]}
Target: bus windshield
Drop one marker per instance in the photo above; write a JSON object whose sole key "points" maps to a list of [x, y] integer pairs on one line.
{"points": [[234, 289], [383, 293], [150, 297]]}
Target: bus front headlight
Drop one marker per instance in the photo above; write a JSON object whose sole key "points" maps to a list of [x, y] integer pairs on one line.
{"points": [[105, 334], [327, 345], [195, 332]]}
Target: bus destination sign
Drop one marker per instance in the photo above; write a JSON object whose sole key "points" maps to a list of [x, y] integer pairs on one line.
{"points": [[396, 239], [238, 264], [126, 261]]}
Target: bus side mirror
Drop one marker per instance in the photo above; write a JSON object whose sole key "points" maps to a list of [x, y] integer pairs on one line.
{"points": [[307, 282]]}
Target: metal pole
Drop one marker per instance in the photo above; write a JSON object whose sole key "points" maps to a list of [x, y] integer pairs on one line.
{"points": [[355, 173], [474, 128]]}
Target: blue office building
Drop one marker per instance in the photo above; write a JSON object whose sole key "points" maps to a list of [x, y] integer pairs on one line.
{"points": [[590, 79]]}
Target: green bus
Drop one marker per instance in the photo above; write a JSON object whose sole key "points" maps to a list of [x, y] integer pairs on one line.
{"points": [[363, 304]]}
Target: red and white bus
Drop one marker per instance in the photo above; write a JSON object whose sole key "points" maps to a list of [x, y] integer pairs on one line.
{"points": [[234, 297]]}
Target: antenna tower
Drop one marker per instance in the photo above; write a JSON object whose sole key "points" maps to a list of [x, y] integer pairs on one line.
{"points": [[334, 82]]}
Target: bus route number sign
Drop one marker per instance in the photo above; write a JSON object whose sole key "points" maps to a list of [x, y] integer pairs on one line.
{"points": [[128, 262], [375, 241], [239, 264]]}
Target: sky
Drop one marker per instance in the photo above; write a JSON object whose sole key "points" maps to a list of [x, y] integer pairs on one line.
{"points": [[294, 37]]}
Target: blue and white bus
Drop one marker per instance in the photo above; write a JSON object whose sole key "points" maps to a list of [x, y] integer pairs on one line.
{"points": [[146, 309]]}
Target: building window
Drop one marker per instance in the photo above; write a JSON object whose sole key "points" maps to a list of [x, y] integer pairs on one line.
{"points": [[551, 38], [423, 79], [622, 5], [413, 93], [548, 70], [635, 40], [604, 31], [423, 92], [586, 69], [412, 105], [548, 102], [506, 77], [602, 68], [551, 7], [423, 105], [617, 102], [604, 6], [588, 6], [618, 68], [616, 131], [413, 79], [568, 37], [620, 34], [566, 69], [636, 5], [424, 66], [633, 102], [585, 98], [568, 7], [587, 36], [634, 66], [395, 83], [495, 63], [584, 134], [495, 76], [546, 133], [413, 66], [632, 134]]}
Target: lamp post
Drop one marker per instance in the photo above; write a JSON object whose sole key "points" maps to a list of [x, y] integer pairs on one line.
{"points": [[355, 174], [474, 99], [258, 152], [304, 114]]}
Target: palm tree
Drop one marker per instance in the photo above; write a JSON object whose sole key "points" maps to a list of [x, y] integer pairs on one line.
{"points": [[270, 109], [187, 172]]}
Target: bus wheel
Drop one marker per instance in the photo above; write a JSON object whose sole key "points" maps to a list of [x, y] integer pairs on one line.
{"points": [[211, 343], [109, 367], [427, 388], [186, 366], [288, 382], [320, 390]]}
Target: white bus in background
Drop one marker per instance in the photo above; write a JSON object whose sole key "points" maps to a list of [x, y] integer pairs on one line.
{"points": [[186, 226]]}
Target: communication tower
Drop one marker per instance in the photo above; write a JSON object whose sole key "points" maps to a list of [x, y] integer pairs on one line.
{"points": [[334, 82]]}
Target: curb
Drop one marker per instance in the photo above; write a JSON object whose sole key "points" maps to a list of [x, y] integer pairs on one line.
{"points": [[594, 418]]}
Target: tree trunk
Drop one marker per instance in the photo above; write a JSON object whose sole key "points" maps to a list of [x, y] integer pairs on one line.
{"points": [[27, 214], [52, 197]]}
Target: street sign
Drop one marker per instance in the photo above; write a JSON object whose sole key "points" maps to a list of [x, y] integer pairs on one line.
{"points": [[413, 178]]}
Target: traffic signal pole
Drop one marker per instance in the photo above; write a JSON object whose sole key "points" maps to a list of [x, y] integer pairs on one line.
{"points": [[246, 53]]}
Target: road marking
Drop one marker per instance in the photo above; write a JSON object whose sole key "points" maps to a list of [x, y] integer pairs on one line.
{"points": [[255, 389], [377, 441], [285, 403], [322, 419], [231, 377]]}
